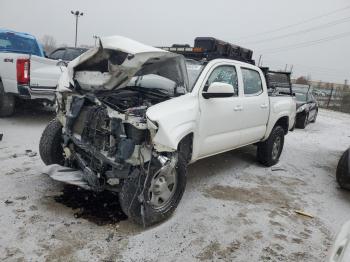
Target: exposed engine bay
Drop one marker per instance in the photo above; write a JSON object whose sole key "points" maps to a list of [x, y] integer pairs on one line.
{"points": [[106, 134]]}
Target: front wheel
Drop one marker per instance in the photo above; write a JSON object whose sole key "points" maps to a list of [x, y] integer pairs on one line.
{"points": [[149, 199], [50, 146], [269, 151]]}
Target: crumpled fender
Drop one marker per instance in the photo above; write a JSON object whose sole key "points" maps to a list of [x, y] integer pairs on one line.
{"points": [[175, 119]]}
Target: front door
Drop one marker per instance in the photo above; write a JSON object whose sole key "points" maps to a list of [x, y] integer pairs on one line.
{"points": [[220, 118]]}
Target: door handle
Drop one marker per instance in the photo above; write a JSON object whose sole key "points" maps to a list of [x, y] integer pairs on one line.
{"points": [[238, 108], [264, 105]]}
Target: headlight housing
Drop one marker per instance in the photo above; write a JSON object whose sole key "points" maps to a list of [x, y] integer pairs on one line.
{"points": [[301, 108]]}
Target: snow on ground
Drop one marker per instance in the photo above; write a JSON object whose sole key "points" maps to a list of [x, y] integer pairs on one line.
{"points": [[233, 208]]}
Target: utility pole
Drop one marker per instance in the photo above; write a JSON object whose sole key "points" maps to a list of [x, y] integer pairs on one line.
{"points": [[95, 37], [76, 14], [285, 69]]}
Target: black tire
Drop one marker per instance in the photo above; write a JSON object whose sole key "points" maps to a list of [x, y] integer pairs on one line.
{"points": [[343, 171], [7, 102], [50, 147], [315, 116], [134, 202], [302, 121], [266, 152]]}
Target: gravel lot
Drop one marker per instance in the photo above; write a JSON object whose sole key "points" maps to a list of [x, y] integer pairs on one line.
{"points": [[233, 209]]}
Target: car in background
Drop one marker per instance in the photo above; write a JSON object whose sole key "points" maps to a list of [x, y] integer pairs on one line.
{"points": [[307, 107], [25, 72], [66, 54]]}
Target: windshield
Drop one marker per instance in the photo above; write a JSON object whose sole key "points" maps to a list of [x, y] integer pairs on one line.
{"points": [[300, 97], [194, 68], [14, 43], [153, 81]]}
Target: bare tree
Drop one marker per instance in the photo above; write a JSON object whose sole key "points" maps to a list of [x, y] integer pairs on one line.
{"points": [[302, 80], [49, 43]]}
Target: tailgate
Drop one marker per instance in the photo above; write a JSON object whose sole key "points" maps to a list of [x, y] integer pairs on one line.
{"points": [[44, 73]]}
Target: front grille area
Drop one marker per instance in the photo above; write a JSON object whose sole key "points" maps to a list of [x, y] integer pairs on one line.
{"points": [[92, 136], [92, 126]]}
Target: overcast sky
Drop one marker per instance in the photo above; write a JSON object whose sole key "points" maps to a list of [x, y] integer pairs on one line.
{"points": [[164, 22]]}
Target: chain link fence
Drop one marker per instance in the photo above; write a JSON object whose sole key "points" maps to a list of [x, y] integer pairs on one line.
{"points": [[335, 98]]}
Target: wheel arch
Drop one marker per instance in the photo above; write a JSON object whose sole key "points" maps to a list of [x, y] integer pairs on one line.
{"points": [[282, 119], [284, 123], [185, 147]]}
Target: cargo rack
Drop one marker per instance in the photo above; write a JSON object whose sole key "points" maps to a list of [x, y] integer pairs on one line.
{"points": [[278, 82], [209, 48]]}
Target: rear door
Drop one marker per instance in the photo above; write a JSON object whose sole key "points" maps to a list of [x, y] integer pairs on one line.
{"points": [[255, 106]]}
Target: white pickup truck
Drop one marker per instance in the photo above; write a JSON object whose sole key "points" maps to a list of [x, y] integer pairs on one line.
{"points": [[25, 72], [131, 117]]}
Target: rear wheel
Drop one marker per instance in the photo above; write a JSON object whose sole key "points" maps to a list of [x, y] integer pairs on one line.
{"points": [[7, 102], [269, 151], [343, 171], [151, 199], [50, 146]]}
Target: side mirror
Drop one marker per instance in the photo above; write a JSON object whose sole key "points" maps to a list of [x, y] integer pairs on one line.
{"points": [[217, 89]]}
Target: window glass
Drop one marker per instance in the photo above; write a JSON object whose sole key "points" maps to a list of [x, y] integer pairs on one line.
{"points": [[310, 98], [194, 68], [71, 54], [300, 97], [224, 74], [57, 54], [12, 42], [252, 82]]}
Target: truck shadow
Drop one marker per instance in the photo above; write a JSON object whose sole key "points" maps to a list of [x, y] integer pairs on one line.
{"points": [[103, 208], [32, 113], [230, 161]]}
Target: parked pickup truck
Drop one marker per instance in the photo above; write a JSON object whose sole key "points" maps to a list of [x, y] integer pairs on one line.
{"points": [[25, 72], [131, 117]]}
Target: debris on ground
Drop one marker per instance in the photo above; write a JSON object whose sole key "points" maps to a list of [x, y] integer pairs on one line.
{"points": [[278, 168], [299, 212], [8, 202]]}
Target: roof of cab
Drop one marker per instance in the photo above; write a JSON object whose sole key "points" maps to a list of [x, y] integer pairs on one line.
{"points": [[26, 35]]}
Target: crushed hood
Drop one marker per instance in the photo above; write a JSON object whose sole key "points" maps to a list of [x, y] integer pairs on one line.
{"points": [[117, 60]]}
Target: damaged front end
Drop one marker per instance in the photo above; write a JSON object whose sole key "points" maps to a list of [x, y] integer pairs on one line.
{"points": [[102, 99]]}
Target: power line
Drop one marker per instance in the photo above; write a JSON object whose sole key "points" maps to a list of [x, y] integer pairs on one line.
{"points": [[322, 26], [305, 44], [299, 23]]}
